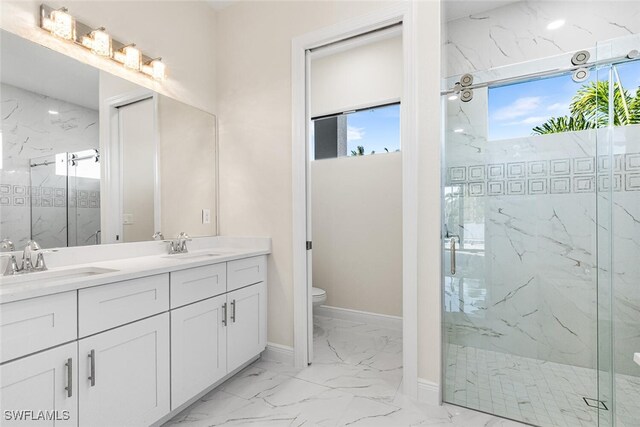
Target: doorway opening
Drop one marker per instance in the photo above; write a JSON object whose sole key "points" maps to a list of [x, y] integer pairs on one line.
{"points": [[339, 199]]}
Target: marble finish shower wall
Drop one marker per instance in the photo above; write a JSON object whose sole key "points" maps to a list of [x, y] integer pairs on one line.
{"points": [[518, 32], [525, 209], [30, 131]]}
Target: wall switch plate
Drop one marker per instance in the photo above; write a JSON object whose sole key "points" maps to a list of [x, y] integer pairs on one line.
{"points": [[206, 216], [127, 219]]}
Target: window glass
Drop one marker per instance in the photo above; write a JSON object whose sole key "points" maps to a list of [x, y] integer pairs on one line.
{"points": [[559, 104], [375, 130], [368, 131]]}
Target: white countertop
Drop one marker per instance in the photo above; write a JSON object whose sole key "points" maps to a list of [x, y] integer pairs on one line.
{"points": [[126, 268]]}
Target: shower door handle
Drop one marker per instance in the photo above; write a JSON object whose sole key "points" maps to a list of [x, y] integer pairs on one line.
{"points": [[452, 243]]}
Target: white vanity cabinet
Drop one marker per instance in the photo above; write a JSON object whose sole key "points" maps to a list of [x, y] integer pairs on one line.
{"points": [[198, 348], [247, 330], [132, 352], [124, 374], [45, 381]]}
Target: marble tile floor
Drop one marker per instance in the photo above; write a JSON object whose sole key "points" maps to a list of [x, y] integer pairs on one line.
{"points": [[536, 391], [355, 379]]}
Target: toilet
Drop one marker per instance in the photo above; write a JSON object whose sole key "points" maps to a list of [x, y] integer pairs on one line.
{"points": [[319, 296]]}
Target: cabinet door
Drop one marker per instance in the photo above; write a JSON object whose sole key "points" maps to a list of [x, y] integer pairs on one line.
{"points": [[124, 374], [247, 324], [198, 348], [45, 382]]}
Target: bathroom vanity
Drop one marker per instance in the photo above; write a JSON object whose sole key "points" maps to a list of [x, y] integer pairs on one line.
{"points": [[130, 341]]}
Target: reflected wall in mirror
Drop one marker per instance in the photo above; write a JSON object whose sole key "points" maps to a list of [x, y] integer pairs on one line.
{"points": [[88, 158]]}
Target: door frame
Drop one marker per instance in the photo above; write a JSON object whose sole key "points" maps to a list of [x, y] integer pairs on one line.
{"points": [[405, 13]]}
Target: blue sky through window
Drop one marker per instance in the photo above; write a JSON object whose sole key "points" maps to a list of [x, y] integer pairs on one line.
{"points": [[514, 110], [374, 129]]}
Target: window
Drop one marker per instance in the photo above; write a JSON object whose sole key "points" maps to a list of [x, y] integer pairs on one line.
{"points": [[368, 131], [558, 104]]}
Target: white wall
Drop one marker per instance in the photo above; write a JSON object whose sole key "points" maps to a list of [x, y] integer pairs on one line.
{"points": [[254, 112], [181, 32], [187, 168], [357, 232], [362, 76]]}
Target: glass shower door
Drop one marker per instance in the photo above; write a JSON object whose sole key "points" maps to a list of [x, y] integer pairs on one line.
{"points": [[519, 251], [619, 234], [49, 200]]}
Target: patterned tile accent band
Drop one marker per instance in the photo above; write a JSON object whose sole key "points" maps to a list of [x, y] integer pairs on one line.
{"points": [[556, 176], [47, 197]]}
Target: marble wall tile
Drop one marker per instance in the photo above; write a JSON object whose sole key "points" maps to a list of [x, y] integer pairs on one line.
{"points": [[34, 200], [518, 32]]}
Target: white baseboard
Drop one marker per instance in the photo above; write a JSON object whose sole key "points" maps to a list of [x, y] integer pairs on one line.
{"points": [[383, 320], [278, 353], [428, 392]]}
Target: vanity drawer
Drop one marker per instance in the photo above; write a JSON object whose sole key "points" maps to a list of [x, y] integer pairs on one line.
{"points": [[198, 283], [115, 304], [244, 272], [35, 324]]}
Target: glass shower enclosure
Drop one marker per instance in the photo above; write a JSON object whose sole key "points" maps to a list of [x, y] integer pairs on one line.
{"points": [[541, 239], [65, 199]]}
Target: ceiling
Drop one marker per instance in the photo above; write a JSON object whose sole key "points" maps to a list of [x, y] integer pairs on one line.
{"points": [[452, 9], [456, 9], [32, 67]]}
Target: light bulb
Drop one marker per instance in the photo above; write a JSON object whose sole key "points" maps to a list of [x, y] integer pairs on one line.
{"points": [[63, 25]]}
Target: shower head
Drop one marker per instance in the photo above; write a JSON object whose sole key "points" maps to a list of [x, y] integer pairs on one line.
{"points": [[633, 54]]}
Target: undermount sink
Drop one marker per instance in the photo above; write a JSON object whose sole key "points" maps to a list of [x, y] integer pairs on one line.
{"points": [[194, 255], [67, 274]]}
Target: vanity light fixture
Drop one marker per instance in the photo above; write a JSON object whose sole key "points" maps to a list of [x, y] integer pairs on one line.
{"points": [[155, 68], [53, 112], [61, 24], [129, 56], [99, 41]]}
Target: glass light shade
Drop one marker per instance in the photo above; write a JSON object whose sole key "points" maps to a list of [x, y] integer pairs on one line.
{"points": [[63, 25], [132, 58], [87, 42], [158, 69], [101, 43]]}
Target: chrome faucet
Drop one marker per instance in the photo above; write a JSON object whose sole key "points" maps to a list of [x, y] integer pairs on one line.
{"points": [[27, 253], [27, 258], [179, 245], [12, 265]]}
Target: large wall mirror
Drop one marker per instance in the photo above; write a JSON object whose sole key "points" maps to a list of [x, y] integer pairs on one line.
{"points": [[90, 158]]}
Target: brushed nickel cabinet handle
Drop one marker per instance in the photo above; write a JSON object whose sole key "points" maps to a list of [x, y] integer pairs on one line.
{"points": [[233, 311], [224, 314], [69, 386], [92, 375]]}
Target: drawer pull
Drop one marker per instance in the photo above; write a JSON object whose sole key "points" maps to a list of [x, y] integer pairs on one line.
{"points": [[224, 314], [69, 386], [233, 311], [92, 375]]}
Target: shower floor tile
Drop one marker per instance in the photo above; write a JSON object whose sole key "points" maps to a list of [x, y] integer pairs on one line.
{"points": [[536, 391]]}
